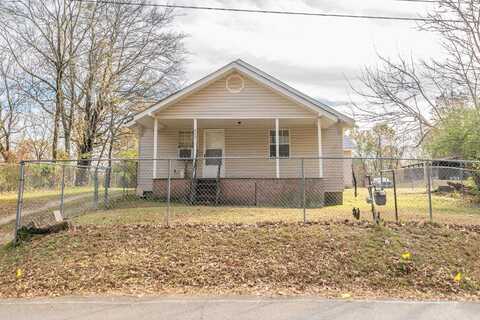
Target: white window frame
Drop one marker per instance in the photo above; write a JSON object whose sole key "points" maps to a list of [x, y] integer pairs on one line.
{"points": [[180, 148], [279, 134]]}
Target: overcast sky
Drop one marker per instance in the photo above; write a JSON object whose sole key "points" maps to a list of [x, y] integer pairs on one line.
{"points": [[312, 54]]}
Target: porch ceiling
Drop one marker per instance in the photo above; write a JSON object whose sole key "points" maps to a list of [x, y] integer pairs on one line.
{"points": [[241, 123]]}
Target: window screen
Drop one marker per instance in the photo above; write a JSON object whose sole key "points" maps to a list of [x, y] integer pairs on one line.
{"points": [[185, 144], [284, 143]]}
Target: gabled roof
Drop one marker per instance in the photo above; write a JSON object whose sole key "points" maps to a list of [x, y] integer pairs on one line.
{"points": [[257, 74]]}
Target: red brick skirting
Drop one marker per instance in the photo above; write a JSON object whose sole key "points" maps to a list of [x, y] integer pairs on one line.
{"points": [[260, 192]]}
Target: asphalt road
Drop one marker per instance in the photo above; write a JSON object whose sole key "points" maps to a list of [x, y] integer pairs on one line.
{"points": [[231, 308]]}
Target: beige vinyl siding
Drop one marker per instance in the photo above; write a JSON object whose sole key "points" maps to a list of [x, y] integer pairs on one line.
{"points": [[254, 101], [254, 143], [332, 143], [304, 143], [243, 142], [145, 168], [248, 143], [347, 169], [167, 149]]}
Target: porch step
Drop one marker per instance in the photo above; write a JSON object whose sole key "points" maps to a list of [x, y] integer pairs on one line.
{"points": [[205, 191]]}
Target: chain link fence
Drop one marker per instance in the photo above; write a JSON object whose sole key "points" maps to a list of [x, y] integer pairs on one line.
{"points": [[431, 190], [243, 190], [8, 178]]}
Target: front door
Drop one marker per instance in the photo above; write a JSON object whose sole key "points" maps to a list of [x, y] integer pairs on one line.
{"points": [[214, 147]]}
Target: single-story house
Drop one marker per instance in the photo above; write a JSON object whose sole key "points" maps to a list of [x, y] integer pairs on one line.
{"points": [[259, 125]]}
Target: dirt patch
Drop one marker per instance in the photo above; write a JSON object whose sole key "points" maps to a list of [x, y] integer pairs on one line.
{"points": [[413, 260]]}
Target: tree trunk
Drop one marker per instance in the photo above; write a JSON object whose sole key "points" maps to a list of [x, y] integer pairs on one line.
{"points": [[58, 113], [68, 122], [85, 162], [55, 134], [67, 142], [5, 154]]}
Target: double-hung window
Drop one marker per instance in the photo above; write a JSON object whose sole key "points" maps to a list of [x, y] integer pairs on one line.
{"points": [[185, 144], [284, 143]]}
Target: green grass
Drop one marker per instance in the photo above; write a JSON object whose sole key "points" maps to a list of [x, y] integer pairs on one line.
{"points": [[35, 194], [412, 206], [37, 198], [39, 205]]}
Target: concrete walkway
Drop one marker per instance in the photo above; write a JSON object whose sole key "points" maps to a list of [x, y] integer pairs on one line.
{"points": [[232, 308]]}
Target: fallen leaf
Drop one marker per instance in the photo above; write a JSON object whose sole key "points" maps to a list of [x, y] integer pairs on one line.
{"points": [[406, 256], [458, 277]]}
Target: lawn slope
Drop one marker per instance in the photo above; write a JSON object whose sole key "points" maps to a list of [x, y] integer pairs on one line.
{"points": [[331, 259]]}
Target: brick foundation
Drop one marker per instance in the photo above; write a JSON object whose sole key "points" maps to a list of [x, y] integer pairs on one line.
{"points": [[266, 192], [179, 188]]}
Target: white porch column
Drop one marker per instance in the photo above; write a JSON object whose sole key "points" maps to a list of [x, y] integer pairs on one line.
{"points": [[155, 146], [277, 146], [320, 153], [195, 139]]}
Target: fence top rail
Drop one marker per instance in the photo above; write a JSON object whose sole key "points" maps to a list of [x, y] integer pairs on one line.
{"points": [[98, 160], [467, 169], [65, 163]]}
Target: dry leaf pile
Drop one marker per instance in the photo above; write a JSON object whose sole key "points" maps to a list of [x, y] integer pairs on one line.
{"points": [[326, 258]]}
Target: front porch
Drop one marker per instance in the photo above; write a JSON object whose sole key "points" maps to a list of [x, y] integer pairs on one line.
{"points": [[251, 148], [250, 162]]}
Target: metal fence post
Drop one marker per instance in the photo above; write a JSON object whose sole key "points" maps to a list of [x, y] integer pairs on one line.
{"points": [[303, 193], [124, 182], [106, 198], [395, 194], [62, 192], [167, 220], [372, 199], [21, 187], [95, 189], [429, 190]]}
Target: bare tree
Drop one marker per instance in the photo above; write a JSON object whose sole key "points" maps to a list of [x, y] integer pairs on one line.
{"points": [[456, 22], [414, 94], [87, 64], [48, 35], [37, 135], [398, 93], [12, 104], [132, 55]]}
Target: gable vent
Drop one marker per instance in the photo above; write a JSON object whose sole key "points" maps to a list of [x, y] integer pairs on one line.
{"points": [[234, 83]]}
